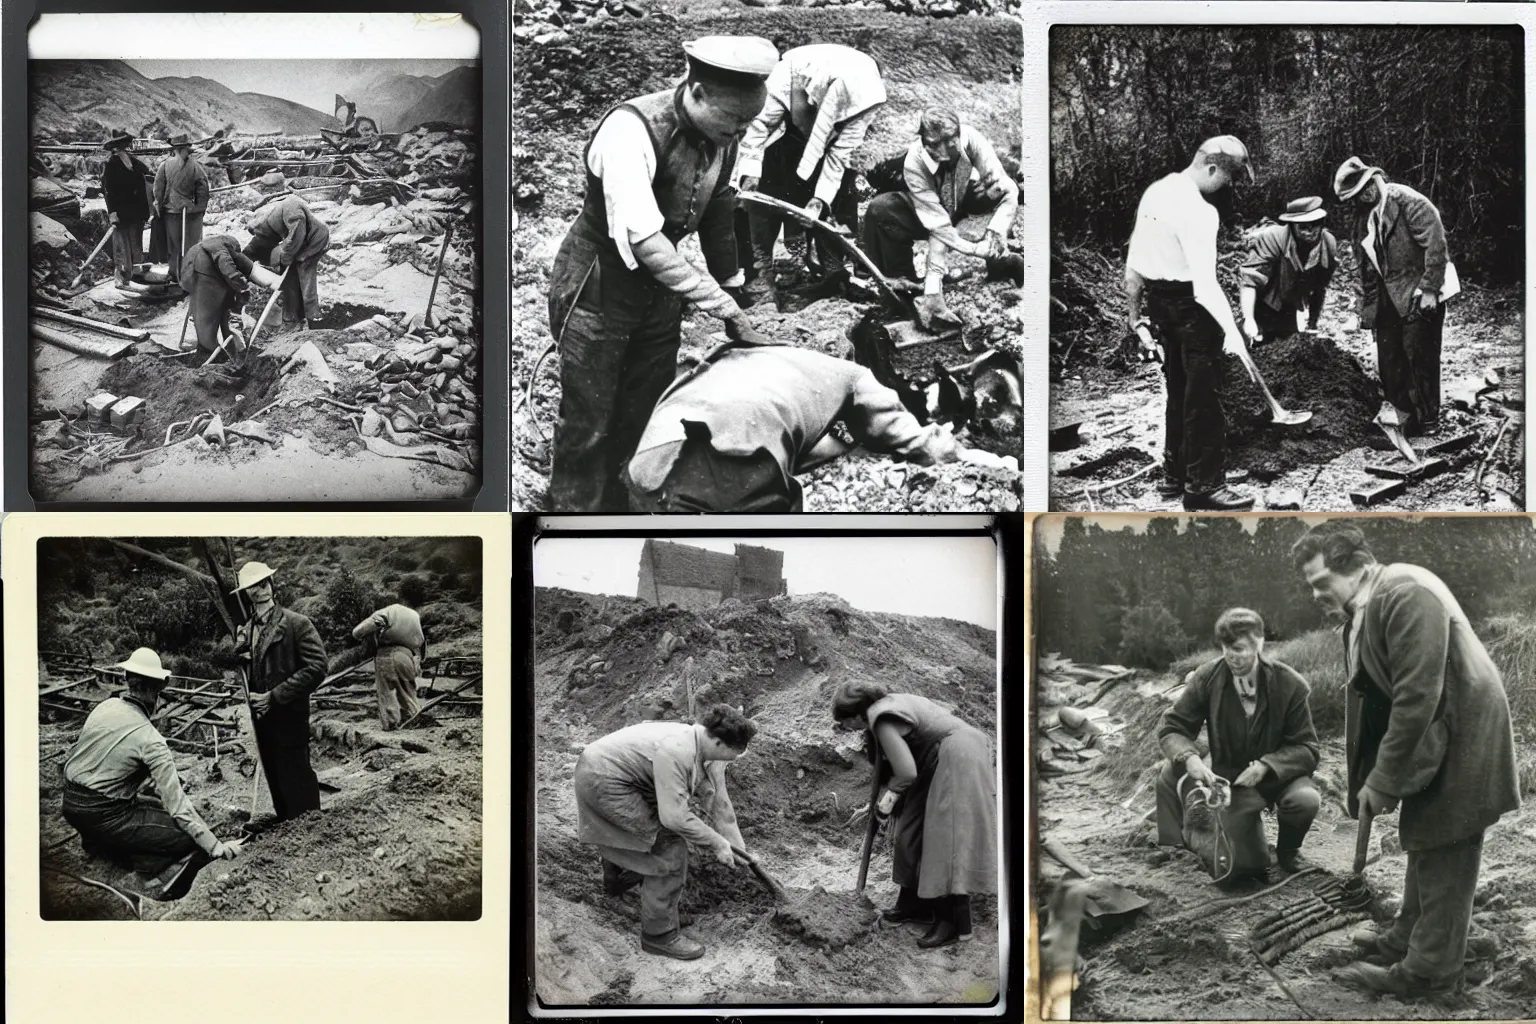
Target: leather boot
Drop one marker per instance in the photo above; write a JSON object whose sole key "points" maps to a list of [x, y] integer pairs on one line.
{"points": [[942, 933], [678, 946], [1221, 499], [908, 909], [1288, 847]]}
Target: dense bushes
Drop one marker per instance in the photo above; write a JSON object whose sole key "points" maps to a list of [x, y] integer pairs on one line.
{"points": [[1150, 637]]}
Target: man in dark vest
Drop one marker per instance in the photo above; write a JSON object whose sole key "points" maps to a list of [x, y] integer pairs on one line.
{"points": [[658, 170], [287, 662]]}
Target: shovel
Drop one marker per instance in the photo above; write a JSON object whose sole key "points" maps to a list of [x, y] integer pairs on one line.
{"points": [[874, 822], [99, 246], [1277, 412], [762, 876], [1105, 899]]}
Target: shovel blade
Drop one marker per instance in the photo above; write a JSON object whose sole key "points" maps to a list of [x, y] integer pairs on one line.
{"points": [[1290, 419]]}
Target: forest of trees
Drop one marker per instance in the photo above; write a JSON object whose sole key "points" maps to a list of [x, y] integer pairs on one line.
{"points": [[1113, 595], [1438, 108]]}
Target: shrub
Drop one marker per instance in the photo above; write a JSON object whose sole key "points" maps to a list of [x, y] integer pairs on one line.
{"points": [[348, 600], [1511, 643], [1319, 656], [1150, 637]]}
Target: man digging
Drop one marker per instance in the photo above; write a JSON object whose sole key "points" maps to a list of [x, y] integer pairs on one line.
{"points": [[399, 647], [288, 237], [1288, 268], [217, 277]]}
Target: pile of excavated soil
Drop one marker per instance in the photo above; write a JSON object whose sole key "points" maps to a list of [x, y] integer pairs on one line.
{"points": [[174, 393], [1303, 373], [831, 920]]}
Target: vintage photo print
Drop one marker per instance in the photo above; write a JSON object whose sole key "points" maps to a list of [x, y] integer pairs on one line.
{"points": [[765, 772], [1287, 266], [770, 261], [254, 278], [1306, 798]]}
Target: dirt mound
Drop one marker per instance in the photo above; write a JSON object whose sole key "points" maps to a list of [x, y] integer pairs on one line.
{"points": [[832, 920], [174, 393], [1304, 373]]}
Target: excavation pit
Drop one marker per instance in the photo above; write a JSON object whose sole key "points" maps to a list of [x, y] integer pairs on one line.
{"points": [[343, 315], [175, 393]]}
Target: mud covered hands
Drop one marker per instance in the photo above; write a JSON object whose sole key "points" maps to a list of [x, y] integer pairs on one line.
{"points": [[1252, 775]]}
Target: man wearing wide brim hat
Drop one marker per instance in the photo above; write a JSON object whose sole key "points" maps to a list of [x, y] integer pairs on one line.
{"points": [[181, 198], [125, 189], [658, 170], [1288, 268], [118, 749], [1170, 275], [1406, 277], [286, 662]]}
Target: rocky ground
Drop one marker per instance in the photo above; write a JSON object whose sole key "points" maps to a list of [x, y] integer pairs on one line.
{"points": [[1199, 965], [971, 64], [1333, 374], [605, 662], [374, 402]]}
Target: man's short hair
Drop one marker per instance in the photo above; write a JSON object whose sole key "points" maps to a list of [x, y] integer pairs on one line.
{"points": [[719, 78], [1228, 153], [729, 726], [938, 123], [1340, 542], [1238, 622]]}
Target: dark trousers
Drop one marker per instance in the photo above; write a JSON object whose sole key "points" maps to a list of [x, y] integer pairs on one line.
{"points": [[1408, 359], [176, 245], [285, 760], [618, 338], [301, 286], [780, 181], [1431, 925], [212, 303], [665, 868], [705, 480], [127, 247], [1194, 424], [1296, 805], [124, 829], [891, 226], [1275, 324]]}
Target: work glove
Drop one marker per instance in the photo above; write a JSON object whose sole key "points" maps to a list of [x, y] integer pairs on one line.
{"points": [[739, 328], [934, 314], [1233, 345], [815, 208], [748, 183], [1198, 770], [1251, 331], [226, 851]]}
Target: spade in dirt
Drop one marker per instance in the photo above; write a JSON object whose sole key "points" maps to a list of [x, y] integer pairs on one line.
{"points": [[1106, 902]]}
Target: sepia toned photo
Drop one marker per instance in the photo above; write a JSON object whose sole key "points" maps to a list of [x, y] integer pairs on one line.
{"points": [[1283, 766], [766, 773], [252, 279], [1288, 266], [771, 261], [260, 728]]}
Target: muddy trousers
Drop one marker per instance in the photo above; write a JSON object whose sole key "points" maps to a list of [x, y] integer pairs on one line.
{"points": [[891, 226], [290, 779], [127, 248], [212, 303], [780, 181], [176, 246], [124, 829], [394, 679], [665, 868], [1431, 926], [1408, 359], [1296, 805], [1194, 423]]}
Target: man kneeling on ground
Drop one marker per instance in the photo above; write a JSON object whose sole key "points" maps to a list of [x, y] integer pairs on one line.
{"points": [[1259, 724], [117, 750]]}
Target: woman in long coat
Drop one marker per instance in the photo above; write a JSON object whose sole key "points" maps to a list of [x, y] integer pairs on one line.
{"points": [[633, 789], [945, 834]]}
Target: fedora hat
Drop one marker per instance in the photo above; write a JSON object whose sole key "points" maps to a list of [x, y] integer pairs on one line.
{"points": [[1352, 176], [179, 140], [119, 140], [1304, 210], [144, 662], [252, 573]]}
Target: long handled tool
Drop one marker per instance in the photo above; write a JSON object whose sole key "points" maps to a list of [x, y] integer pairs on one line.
{"points": [[277, 289], [1277, 412], [763, 876], [1363, 842], [431, 295], [94, 253], [874, 820]]}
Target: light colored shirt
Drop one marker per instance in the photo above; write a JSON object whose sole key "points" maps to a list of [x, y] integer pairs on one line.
{"points": [[1175, 240], [844, 88], [117, 749], [921, 172], [664, 759], [394, 626]]}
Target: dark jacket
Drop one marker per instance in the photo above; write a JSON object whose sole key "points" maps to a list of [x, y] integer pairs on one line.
{"points": [[289, 662], [1427, 719], [126, 189], [220, 258], [1411, 249], [290, 232], [1274, 270], [1280, 733]]}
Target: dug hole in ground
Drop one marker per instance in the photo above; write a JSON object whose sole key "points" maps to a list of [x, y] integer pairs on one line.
{"points": [[602, 663], [1186, 956]]}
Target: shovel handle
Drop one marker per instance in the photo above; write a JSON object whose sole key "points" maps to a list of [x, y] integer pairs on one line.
{"points": [[1066, 859], [874, 822], [1363, 840]]}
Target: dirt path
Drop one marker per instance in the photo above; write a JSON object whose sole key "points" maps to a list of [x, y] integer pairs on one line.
{"points": [[1201, 967]]}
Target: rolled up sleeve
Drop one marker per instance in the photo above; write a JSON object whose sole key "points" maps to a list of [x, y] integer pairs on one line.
{"points": [[162, 770], [623, 158], [1259, 264], [925, 193]]}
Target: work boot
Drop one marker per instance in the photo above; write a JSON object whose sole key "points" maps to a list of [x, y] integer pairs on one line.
{"points": [[909, 909], [1392, 980], [617, 880], [1288, 847], [1373, 950], [943, 933], [1171, 487], [678, 946], [1288, 860], [760, 291], [1222, 499]]}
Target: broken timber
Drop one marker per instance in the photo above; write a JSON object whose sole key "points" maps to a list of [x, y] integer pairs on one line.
{"points": [[89, 324], [100, 347]]}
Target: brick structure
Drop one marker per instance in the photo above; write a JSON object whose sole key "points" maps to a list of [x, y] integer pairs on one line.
{"points": [[695, 578]]}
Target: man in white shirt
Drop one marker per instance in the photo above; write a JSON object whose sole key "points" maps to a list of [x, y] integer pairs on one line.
{"points": [[1172, 266], [658, 169], [823, 97]]}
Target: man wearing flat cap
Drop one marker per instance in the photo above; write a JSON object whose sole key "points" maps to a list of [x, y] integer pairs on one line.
{"points": [[823, 98], [1170, 280], [658, 169], [1289, 266], [125, 188], [1405, 278], [181, 198], [287, 661]]}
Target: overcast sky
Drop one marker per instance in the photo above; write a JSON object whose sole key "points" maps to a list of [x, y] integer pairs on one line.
{"points": [[313, 83], [945, 577]]}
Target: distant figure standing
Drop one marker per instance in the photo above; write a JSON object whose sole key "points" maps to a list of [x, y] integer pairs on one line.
{"points": [[125, 187], [181, 198], [286, 235], [400, 648]]}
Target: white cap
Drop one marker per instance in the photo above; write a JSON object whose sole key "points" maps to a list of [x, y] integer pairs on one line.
{"points": [[749, 55]]}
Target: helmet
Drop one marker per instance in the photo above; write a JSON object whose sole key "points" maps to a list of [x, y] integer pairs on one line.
{"points": [[252, 573], [144, 662]]}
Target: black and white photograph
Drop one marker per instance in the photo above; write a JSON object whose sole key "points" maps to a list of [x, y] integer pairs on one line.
{"points": [[816, 305], [1283, 766], [765, 772], [260, 728], [254, 275], [1287, 267]]}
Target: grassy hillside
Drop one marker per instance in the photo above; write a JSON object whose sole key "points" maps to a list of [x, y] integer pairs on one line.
{"points": [[454, 97]]}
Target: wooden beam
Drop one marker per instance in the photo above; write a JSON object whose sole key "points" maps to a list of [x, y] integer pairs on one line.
{"points": [[61, 687], [438, 700], [188, 723], [159, 559], [89, 324]]}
